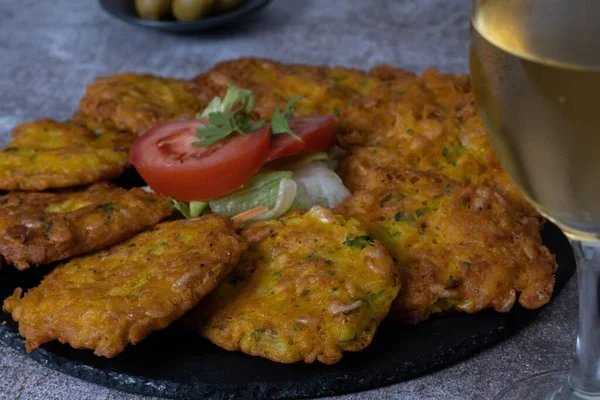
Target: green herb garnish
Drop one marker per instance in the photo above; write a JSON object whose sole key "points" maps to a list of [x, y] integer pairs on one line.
{"points": [[227, 116], [223, 124], [232, 115], [280, 123]]}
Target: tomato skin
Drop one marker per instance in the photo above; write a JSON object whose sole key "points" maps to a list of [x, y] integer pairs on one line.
{"points": [[165, 158], [317, 133]]}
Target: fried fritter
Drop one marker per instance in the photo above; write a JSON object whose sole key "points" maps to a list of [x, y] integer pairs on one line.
{"points": [[110, 299], [39, 228], [427, 123], [359, 162], [311, 286], [458, 248], [405, 108], [48, 154], [135, 102], [325, 90]]}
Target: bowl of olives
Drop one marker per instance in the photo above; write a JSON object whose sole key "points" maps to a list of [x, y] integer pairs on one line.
{"points": [[181, 15]]}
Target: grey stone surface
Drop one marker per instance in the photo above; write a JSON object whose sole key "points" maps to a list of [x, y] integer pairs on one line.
{"points": [[49, 50]]}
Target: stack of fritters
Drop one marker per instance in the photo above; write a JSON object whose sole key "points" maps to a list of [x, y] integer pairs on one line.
{"points": [[107, 300], [425, 180], [40, 228], [434, 224]]}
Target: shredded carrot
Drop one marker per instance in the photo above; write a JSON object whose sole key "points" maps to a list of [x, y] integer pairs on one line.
{"points": [[239, 219]]}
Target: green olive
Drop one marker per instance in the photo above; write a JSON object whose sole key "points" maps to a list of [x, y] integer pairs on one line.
{"points": [[190, 10], [153, 9], [227, 5]]}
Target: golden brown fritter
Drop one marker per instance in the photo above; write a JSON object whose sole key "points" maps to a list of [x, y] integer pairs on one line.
{"points": [[311, 286], [107, 300], [428, 123], [405, 108], [135, 102], [39, 228], [325, 90], [359, 162], [458, 248], [48, 154]]}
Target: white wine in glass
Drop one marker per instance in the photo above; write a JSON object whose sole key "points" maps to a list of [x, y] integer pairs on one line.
{"points": [[535, 70]]}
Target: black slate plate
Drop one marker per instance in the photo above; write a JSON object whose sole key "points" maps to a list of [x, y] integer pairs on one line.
{"points": [[176, 363], [125, 11]]}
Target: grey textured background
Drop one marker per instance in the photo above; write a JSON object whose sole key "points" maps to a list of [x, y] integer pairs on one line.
{"points": [[49, 50]]}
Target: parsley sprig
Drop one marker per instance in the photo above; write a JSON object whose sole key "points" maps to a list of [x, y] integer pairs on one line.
{"points": [[232, 115], [224, 119], [280, 123], [223, 125]]}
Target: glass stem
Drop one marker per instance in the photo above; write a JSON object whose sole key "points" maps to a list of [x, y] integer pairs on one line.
{"points": [[584, 378]]}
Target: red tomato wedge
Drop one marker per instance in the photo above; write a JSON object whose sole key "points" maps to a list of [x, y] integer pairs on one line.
{"points": [[165, 158], [317, 133]]}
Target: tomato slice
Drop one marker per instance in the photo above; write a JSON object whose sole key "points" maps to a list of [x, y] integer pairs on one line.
{"points": [[317, 133], [165, 158]]}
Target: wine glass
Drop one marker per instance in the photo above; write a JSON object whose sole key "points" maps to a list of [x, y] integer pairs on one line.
{"points": [[535, 69]]}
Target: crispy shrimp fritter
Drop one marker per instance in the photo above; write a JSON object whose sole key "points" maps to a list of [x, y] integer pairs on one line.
{"points": [[48, 154], [39, 228], [458, 248], [311, 286], [135, 102], [110, 299]]}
